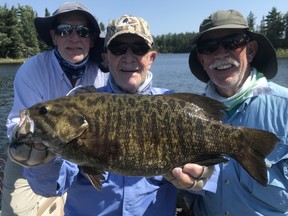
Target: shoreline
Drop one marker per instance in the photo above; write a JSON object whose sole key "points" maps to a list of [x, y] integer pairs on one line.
{"points": [[280, 53], [12, 61]]}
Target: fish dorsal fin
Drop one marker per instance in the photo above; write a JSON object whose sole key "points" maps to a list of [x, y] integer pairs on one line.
{"points": [[211, 108], [95, 176], [82, 89]]}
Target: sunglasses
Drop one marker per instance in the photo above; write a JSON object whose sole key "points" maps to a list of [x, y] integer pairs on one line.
{"points": [[121, 48], [230, 43], [64, 30]]}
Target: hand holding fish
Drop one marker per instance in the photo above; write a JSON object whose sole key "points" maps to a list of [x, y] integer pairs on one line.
{"points": [[29, 154], [190, 176]]}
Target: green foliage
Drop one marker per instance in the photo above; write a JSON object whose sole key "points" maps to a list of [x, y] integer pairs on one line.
{"points": [[282, 53], [275, 27], [251, 21], [17, 32], [173, 43], [14, 50], [19, 38], [28, 31]]}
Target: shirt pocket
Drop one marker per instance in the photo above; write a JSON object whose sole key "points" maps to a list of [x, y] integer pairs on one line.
{"points": [[275, 195], [156, 181]]}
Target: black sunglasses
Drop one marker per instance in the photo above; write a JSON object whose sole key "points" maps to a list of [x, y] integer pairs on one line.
{"points": [[121, 48], [64, 30], [231, 42]]}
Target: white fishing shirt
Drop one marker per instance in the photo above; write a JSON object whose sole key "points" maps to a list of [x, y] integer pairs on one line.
{"points": [[41, 78]]}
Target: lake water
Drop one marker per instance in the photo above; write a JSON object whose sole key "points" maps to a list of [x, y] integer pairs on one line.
{"points": [[170, 71]]}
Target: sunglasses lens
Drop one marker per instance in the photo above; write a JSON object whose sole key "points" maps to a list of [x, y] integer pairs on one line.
{"points": [[140, 49], [230, 43], [64, 30], [118, 49], [234, 42], [83, 31], [121, 48], [207, 47]]}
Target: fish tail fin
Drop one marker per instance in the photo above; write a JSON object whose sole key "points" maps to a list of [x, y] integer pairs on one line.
{"points": [[256, 146]]}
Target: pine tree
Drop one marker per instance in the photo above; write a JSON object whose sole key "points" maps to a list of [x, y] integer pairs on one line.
{"points": [[274, 26], [251, 21], [17, 45], [5, 41], [28, 30]]}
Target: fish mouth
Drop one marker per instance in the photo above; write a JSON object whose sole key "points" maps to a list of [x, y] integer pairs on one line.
{"points": [[26, 124]]}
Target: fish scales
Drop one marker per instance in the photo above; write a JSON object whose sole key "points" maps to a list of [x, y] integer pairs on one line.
{"points": [[144, 135]]}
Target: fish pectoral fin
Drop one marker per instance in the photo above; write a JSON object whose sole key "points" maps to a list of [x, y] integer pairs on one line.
{"points": [[95, 176], [211, 161], [77, 125]]}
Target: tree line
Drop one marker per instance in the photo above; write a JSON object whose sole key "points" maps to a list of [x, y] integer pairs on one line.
{"points": [[19, 38]]}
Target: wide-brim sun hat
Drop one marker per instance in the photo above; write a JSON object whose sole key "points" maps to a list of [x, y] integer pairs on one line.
{"points": [[45, 24], [265, 60], [128, 24]]}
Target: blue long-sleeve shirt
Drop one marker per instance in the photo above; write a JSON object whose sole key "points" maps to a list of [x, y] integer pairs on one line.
{"points": [[239, 194], [120, 195]]}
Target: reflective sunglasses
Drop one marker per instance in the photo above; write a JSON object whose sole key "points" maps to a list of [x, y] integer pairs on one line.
{"points": [[121, 48], [231, 42], [64, 30]]}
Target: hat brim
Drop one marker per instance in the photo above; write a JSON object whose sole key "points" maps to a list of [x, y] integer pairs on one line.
{"points": [[45, 24], [265, 60]]}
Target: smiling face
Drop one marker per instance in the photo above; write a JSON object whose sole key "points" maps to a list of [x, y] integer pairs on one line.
{"points": [[227, 68], [129, 70], [72, 48]]}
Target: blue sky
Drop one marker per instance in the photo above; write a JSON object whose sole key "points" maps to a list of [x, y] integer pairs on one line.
{"points": [[163, 16]]}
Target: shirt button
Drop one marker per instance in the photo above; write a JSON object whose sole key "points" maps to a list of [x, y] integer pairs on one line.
{"points": [[227, 181], [227, 213]]}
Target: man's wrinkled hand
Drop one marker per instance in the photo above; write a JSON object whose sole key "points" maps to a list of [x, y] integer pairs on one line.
{"points": [[30, 155], [190, 176]]}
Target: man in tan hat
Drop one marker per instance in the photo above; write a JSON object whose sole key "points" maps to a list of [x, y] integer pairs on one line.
{"points": [[236, 64], [73, 34]]}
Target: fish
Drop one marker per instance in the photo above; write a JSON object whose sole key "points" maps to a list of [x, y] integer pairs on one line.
{"points": [[141, 135]]}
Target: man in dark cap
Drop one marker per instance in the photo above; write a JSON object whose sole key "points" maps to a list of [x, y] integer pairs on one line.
{"points": [[73, 33], [236, 64]]}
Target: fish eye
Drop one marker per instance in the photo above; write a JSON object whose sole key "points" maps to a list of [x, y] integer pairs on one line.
{"points": [[43, 110]]}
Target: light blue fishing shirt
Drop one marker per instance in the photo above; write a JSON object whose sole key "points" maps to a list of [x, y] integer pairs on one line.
{"points": [[120, 195], [237, 193]]}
